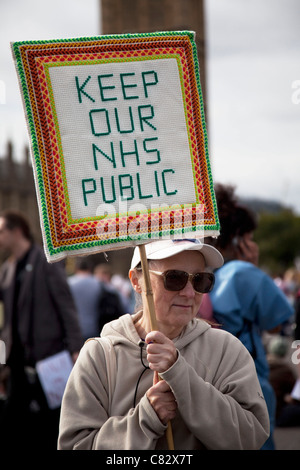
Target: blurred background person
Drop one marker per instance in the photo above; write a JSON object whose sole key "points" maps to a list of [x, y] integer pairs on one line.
{"points": [[86, 291], [40, 320], [283, 379], [124, 287], [246, 301], [112, 304]]}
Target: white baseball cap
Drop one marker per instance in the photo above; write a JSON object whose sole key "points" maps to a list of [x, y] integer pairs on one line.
{"points": [[166, 248]]}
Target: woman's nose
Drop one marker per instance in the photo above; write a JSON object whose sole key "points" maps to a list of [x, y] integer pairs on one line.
{"points": [[188, 290]]}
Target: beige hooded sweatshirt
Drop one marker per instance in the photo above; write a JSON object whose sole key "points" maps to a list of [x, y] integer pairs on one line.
{"points": [[220, 402]]}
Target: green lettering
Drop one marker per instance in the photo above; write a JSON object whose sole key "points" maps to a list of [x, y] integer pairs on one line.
{"points": [[87, 191], [118, 122], [134, 152], [108, 129], [151, 150], [141, 196], [156, 183], [149, 83], [102, 87], [126, 186], [146, 118], [80, 89], [124, 86], [168, 193], [111, 159]]}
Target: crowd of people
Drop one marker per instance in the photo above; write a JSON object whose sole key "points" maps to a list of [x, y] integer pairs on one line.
{"points": [[245, 300], [213, 306], [44, 313], [99, 295]]}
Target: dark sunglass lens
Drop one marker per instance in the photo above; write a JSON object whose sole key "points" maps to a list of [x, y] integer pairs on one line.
{"points": [[175, 280], [203, 282]]}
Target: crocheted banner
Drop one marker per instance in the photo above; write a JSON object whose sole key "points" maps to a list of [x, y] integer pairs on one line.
{"points": [[118, 140]]}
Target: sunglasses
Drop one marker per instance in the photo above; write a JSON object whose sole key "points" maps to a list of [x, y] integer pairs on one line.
{"points": [[175, 280]]}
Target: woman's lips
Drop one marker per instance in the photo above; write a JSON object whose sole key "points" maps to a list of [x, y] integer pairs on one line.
{"points": [[182, 306]]}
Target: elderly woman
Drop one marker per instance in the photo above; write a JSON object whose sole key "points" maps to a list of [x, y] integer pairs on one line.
{"points": [[208, 386]]}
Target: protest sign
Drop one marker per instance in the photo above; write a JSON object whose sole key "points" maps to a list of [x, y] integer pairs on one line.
{"points": [[118, 140]]}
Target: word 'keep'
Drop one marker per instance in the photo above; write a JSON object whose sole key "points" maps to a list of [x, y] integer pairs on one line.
{"points": [[108, 83]]}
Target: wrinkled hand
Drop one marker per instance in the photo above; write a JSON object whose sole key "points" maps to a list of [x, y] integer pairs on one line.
{"points": [[161, 351], [161, 355], [162, 400]]}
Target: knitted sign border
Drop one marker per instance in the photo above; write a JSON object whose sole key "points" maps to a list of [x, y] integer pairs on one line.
{"points": [[65, 234]]}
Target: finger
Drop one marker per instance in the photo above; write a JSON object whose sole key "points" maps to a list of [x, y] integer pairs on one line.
{"points": [[157, 352], [161, 347], [159, 365], [163, 360], [156, 337], [154, 348], [160, 385]]}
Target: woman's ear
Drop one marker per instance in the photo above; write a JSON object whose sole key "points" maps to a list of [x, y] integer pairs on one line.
{"points": [[135, 280]]}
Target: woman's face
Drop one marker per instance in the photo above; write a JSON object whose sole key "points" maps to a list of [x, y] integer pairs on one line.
{"points": [[174, 309]]}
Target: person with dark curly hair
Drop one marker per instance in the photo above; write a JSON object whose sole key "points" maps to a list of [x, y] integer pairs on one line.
{"points": [[245, 300]]}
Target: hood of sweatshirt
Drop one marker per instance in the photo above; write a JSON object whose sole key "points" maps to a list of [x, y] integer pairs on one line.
{"points": [[123, 331]]}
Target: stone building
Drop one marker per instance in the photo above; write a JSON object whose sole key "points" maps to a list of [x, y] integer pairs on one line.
{"points": [[142, 16], [17, 190]]}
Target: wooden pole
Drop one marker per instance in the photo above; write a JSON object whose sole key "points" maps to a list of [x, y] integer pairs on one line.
{"points": [[153, 322], [148, 287]]}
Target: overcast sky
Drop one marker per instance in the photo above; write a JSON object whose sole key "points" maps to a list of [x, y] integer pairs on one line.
{"points": [[254, 111], [253, 76]]}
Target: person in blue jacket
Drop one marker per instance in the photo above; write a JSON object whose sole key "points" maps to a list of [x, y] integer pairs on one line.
{"points": [[245, 300]]}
